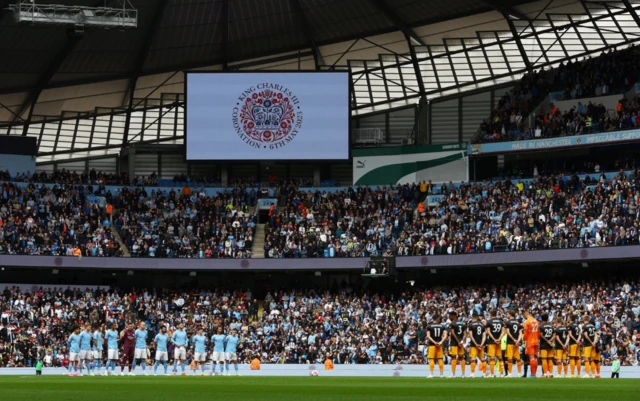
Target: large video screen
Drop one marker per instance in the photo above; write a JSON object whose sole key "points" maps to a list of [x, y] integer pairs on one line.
{"points": [[267, 116]]}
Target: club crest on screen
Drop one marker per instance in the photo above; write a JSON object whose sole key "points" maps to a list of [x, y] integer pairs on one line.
{"points": [[267, 116]]}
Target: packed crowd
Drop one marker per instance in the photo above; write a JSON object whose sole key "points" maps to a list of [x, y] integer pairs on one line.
{"points": [[91, 178], [548, 212], [300, 326], [38, 220], [611, 72], [186, 223]]}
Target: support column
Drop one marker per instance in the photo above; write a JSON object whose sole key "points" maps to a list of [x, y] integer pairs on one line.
{"points": [[131, 162], [316, 176], [224, 175]]}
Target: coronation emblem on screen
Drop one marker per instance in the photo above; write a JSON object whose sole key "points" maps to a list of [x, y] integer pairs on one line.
{"points": [[267, 116]]}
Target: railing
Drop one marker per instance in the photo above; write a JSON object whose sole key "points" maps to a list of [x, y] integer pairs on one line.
{"points": [[368, 136], [572, 255]]}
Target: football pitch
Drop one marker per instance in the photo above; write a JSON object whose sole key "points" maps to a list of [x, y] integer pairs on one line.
{"points": [[29, 388]]}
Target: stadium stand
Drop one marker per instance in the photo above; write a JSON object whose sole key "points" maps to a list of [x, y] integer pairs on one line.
{"points": [[307, 327], [550, 212], [186, 224], [38, 220], [611, 72]]}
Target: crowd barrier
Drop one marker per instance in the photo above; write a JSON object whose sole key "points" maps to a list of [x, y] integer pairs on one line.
{"points": [[576, 255], [305, 370]]}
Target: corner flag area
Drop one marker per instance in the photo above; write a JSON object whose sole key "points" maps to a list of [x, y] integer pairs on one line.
{"points": [[28, 388]]}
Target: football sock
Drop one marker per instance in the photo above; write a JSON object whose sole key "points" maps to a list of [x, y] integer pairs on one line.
{"points": [[520, 366], [593, 367], [463, 365], [473, 367], [492, 366], [454, 365], [587, 367], [441, 365], [432, 365], [534, 366]]}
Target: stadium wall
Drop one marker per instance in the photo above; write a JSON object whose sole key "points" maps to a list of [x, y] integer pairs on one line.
{"points": [[574, 255], [626, 372], [410, 164]]}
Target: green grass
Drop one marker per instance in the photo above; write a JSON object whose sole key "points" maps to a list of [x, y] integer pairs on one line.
{"points": [[60, 388]]}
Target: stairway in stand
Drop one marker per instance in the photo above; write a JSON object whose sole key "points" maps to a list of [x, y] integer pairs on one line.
{"points": [[257, 250], [118, 238]]}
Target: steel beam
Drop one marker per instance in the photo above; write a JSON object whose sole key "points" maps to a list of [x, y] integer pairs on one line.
{"points": [[397, 21], [45, 77], [154, 26], [308, 33], [225, 35], [516, 36], [416, 68], [505, 9], [632, 11]]}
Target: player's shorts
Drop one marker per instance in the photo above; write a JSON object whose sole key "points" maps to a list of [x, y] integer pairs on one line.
{"points": [[162, 356], [456, 350], [533, 350], [97, 354], [547, 354], [574, 351], [74, 356], [180, 353], [217, 356], [231, 356], [493, 350], [588, 352], [476, 352], [140, 353], [435, 352], [561, 354], [84, 355], [113, 354], [200, 356], [128, 354], [513, 352]]}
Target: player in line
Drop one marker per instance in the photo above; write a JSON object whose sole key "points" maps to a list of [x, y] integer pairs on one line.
{"points": [[437, 335], [140, 353], [86, 355], [231, 347], [458, 335], [561, 347], [495, 332], [98, 346], [217, 357], [112, 349], [478, 337], [162, 352], [199, 343], [180, 340], [128, 338], [74, 351]]}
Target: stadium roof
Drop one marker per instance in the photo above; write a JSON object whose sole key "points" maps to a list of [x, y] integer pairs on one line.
{"points": [[182, 34], [88, 97]]}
